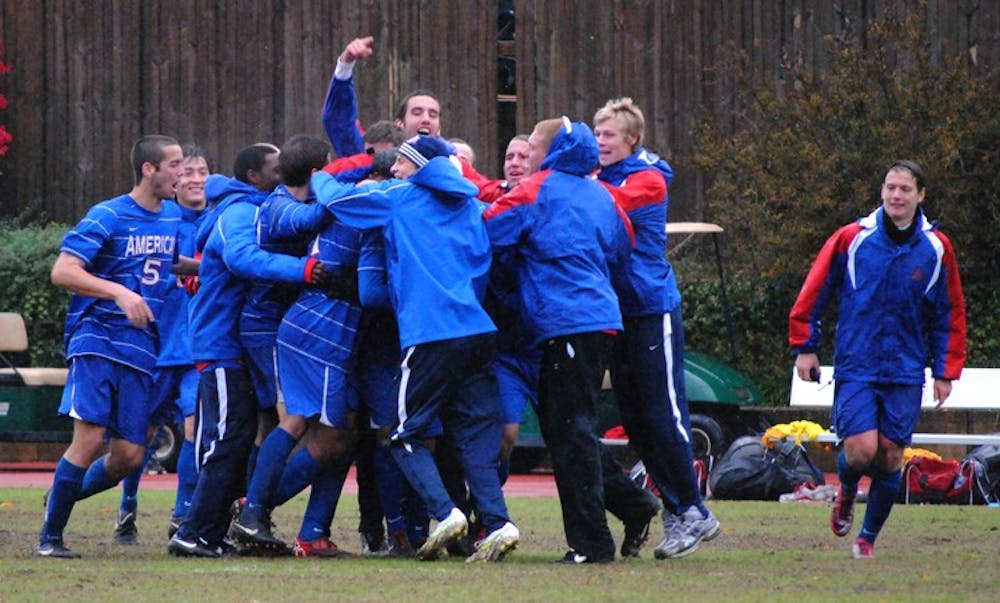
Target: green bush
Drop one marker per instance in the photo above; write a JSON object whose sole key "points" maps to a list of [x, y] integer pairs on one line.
{"points": [[26, 257], [806, 154]]}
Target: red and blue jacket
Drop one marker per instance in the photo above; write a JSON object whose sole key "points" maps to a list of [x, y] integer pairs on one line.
{"points": [[639, 183], [570, 236], [901, 305]]}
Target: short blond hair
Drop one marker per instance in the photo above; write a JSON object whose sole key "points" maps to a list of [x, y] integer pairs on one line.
{"points": [[629, 116]]}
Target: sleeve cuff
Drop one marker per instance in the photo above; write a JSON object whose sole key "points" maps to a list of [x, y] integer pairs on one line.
{"points": [[344, 71]]}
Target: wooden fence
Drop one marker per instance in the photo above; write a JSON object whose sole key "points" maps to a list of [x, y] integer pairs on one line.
{"points": [[90, 76]]}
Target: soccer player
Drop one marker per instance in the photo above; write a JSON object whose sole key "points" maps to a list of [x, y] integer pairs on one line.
{"points": [[647, 367], [439, 260], [896, 279], [113, 261], [314, 351], [175, 380], [227, 407]]}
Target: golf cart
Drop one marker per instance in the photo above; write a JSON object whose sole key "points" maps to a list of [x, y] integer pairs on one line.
{"points": [[720, 398], [30, 397]]}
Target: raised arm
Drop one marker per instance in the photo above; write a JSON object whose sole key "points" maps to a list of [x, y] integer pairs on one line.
{"points": [[340, 108]]}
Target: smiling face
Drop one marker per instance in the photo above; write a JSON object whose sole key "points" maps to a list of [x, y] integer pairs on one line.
{"points": [[613, 142], [515, 162], [403, 168], [901, 196], [191, 186], [422, 116]]}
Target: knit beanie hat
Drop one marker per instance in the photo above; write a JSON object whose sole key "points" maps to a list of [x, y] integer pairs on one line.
{"points": [[421, 149]]}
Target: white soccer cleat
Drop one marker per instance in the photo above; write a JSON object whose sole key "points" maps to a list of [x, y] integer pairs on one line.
{"points": [[498, 543], [448, 529]]}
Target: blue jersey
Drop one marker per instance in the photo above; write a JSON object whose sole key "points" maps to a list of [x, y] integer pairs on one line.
{"points": [[122, 242], [175, 343], [318, 326], [286, 226], [231, 261]]}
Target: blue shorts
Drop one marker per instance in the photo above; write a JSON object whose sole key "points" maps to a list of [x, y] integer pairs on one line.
{"points": [[108, 393], [175, 394], [893, 410], [312, 388], [262, 364], [517, 375]]}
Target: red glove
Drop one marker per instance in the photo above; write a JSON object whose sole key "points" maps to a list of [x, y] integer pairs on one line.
{"points": [[191, 284]]}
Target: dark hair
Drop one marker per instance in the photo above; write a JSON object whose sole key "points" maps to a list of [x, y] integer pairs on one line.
{"points": [[915, 170], [192, 150], [149, 149], [401, 108], [300, 155], [251, 158], [382, 162], [384, 131]]}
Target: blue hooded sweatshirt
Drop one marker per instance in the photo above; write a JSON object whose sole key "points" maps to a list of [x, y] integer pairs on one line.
{"points": [[570, 237], [436, 245], [639, 182]]}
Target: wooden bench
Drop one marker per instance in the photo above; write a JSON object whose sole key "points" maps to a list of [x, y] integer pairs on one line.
{"points": [[978, 389]]}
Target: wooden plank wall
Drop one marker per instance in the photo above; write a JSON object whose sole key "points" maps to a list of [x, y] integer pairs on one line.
{"points": [[91, 75]]}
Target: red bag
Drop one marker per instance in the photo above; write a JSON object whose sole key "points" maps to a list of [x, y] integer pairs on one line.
{"points": [[929, 480]]}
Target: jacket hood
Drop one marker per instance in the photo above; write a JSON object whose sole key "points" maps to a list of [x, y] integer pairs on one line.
{"points": [[636, 162], [445, 178], [218, 186], [573, 150], [221, 192]]}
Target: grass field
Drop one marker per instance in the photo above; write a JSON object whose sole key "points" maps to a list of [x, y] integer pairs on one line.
{"points": [[766, 552]]}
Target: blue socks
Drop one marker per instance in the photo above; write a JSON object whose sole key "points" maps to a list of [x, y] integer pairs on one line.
{"points": [[299, 473], [271, 459], [323, 499], [391, 485], [881, 496], [130, 486], [187, 479], [66, 484], [97, 479]]}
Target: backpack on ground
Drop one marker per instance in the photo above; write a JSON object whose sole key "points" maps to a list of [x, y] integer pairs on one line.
{"points": [[938, 481], [986, 460], [751, 471]]}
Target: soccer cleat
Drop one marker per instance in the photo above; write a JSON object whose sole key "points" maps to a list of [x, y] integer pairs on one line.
{"points": [[373, 545], [256, 533], [683, 533], [862, 549], [399, 545], [194, 547], [125, 530], [497, 544], [573, 558], [636, 533], [56, 548], [447, 530], [321, 547], [842, 512]]}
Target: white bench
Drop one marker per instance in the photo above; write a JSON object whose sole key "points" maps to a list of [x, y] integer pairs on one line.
{"points": [[978, 389]]}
